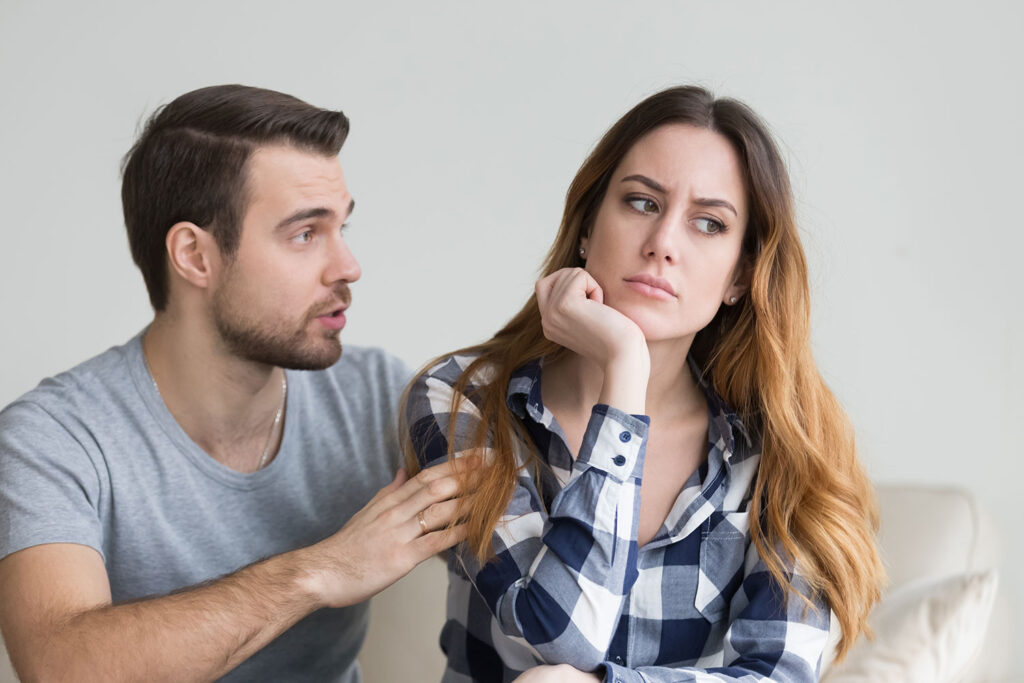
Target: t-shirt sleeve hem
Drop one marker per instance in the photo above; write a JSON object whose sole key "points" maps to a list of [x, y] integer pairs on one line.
{"points": [[22, 542]]}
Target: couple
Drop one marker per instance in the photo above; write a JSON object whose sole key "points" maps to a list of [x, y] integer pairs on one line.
{"points": [[642, 477]]}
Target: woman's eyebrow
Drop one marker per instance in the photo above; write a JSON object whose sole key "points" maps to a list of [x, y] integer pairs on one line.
{"points": [[700, 201], [707, 201], [654, 185]]}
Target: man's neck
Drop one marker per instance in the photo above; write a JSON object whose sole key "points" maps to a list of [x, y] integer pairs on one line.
{"points": [[225, 403]]}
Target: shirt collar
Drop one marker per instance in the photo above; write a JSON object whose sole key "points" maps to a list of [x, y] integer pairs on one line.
{"points": [[523, 396], [720, 413], [524, 399]]}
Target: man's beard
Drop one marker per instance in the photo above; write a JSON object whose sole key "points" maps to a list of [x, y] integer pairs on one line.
{"points": [[280, 345]]}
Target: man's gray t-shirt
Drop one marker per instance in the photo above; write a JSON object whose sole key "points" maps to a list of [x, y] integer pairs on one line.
{"points": [[92, 456]]}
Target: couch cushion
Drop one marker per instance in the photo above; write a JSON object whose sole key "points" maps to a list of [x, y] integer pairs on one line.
{"points": [[926, 632]]}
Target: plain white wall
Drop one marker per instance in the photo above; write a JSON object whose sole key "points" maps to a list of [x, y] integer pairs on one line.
{"points": [[900, 121]]}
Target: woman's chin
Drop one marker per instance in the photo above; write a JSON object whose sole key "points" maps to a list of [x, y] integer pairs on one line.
{"points": [[657, 329]]}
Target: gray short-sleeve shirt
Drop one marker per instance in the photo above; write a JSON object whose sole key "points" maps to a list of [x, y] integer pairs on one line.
{"points": [[92, 456]]}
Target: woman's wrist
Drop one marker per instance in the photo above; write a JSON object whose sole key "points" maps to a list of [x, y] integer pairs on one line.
{"points": [[625, 382]]}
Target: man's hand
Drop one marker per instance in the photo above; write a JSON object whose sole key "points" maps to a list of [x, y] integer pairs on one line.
{"points": [[561, 673], [58, 621], [385, 540]]}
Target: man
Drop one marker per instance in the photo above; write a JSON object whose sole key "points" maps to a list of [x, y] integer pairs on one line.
{"points": [[141, 491]]}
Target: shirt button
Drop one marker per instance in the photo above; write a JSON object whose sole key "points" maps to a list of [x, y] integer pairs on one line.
{"points": [[618, 660], [625, 436], [619, 460]]}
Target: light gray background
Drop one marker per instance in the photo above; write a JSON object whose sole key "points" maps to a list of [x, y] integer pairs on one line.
{"points": [[901, 123]]}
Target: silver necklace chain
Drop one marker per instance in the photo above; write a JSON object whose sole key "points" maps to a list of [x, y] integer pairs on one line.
{"points": [[277, 420], [273, 425]]}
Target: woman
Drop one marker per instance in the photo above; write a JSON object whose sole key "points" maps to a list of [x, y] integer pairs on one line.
{"points": [[672, 491]]}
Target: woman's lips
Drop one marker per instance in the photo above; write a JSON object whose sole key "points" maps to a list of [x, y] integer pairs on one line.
{"points": [[647, 287]]}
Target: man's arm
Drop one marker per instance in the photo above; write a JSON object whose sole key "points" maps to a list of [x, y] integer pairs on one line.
{"points": [[59, 624]]}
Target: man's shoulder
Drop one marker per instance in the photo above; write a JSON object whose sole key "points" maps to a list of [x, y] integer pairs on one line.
{"points": [[369, 362], [368, 358], [361, 372], [86, 387]]}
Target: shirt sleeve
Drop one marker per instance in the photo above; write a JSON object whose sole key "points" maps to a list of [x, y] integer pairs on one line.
{"points": [[560, 576], [768, 639], [49, 487]]}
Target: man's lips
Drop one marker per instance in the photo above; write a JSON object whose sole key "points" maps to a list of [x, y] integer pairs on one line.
{"points": [[656, 287], [333, 319]]}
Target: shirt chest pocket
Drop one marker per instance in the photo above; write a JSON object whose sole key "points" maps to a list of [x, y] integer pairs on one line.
{"points": [[723, 547]]}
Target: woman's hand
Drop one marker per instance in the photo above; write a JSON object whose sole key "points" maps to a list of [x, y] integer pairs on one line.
{"points": [[574, 315], [561, 673]]}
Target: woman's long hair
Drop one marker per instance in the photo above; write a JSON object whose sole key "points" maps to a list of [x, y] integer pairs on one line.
{"points": [[813, 505]]}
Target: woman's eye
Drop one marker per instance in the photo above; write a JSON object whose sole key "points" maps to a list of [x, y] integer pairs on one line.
{"points": [[643, 204], [709, 226]]}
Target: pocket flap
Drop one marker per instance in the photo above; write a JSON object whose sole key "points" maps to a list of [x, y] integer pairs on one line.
{"points": [[723, 548]]}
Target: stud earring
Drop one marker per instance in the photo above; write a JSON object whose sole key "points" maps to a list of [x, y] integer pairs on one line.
{"points": [[732, 300], [583, 252]]}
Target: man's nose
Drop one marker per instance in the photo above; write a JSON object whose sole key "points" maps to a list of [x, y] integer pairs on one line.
{"points": [[341, 265]]}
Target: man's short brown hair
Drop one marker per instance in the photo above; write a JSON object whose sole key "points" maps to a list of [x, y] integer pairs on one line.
{"points": [[189, 164]]}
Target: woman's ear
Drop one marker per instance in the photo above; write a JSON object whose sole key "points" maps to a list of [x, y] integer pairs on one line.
{"points": [[193, 253], [742, 277]]}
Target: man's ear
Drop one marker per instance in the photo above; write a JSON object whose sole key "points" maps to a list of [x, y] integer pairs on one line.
{"points": [[193, 253]]}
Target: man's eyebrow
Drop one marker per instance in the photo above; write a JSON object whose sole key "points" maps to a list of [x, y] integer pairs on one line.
{"points": [[314, 212], [700, 201]]}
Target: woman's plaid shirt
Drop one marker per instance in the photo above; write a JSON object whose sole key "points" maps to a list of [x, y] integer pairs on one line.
{"points": [[569, 583]]}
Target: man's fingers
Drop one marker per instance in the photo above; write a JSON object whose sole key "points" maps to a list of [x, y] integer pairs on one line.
{"points": [[456, 485], [436, 516], [424, 478], [401, 477], [442, 539]]}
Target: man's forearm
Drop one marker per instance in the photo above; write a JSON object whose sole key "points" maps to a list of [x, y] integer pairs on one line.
{"points": [[198, 634], [58, 624]]}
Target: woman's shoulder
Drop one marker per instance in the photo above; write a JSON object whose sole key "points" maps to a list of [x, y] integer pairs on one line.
{"points": [[448, 370], [439, 408]]}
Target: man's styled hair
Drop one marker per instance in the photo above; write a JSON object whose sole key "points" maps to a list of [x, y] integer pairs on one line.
{"points": [[189, 164]]}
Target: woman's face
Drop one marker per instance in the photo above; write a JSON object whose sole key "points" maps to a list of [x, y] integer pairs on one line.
{"points": [[665, 245]]}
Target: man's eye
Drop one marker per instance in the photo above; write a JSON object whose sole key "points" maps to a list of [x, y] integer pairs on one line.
{"points": [[643, 204], [303, 237], [709, 226]]}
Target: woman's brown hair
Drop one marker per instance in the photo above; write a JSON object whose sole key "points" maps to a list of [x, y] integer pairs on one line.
{"points": [[813, 506]]}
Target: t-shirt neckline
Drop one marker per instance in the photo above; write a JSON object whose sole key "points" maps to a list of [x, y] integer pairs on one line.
{"points": [[207, 464]]}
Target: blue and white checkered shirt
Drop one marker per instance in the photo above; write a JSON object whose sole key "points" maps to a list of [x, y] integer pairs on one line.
{"points": [[570, 584]]}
